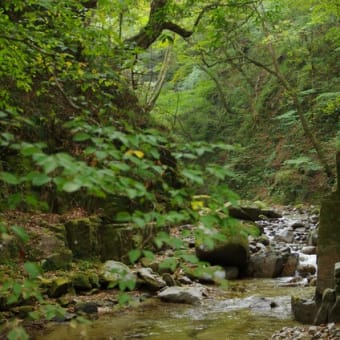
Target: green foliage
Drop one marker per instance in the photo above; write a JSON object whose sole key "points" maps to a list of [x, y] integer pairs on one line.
{"points": [[72, 129], [303, 163], [17, 333]]}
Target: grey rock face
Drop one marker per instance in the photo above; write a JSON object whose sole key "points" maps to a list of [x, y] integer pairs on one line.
{"points": [[189, 295]]}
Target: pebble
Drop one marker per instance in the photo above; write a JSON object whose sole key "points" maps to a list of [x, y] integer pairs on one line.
{"points": [[329, 332]]}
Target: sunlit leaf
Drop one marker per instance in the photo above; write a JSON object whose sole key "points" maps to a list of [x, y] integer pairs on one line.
{"points": [[134, 255], [9, 178], [20, 232], [32, 269]]}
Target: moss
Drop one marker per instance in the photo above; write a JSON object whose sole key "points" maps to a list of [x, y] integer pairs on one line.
{"points": [[82, 237], [81, 281], [61, 260], [60, 286]]}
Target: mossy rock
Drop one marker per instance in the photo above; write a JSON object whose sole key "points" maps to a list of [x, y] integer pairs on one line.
{"points": [[60, 260], [113, 273], [82, 237], [81, 281], [60, 286], [22, 311], [94, 280]]}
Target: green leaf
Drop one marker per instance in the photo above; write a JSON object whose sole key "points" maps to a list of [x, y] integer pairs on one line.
{"points": [[40, 179], [170, 263], [149, 254], [81, 137], [134, 255], [49, 163], [28, 149], [13, 200], [20, 232], [9, 178], [190, 258], [71, 186], [32, 269], [123, 299], [194, 175], [18, 333], [123, 216]]}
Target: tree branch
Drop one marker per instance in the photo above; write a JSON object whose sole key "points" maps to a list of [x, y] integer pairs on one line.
{"points": [[158, 22]]}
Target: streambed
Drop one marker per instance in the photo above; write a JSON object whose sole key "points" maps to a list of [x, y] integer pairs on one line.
{"points": [[249, 309], [254, 309]]}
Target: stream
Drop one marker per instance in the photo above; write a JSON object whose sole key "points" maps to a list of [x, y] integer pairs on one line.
{"points": [[247, 309]]}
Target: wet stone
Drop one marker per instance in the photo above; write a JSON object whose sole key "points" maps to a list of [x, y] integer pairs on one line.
{"points": [[309, 250], [337, 270]]}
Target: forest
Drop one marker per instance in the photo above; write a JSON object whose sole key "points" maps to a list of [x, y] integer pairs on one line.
{"points": [[155, 114]]}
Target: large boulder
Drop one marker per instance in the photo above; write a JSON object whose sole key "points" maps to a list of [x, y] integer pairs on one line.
{"points": [[304, 310], [95, 238], [270, 264], [49, 247], [234, 252], [117, 240], [82, 237], [265, 264]]}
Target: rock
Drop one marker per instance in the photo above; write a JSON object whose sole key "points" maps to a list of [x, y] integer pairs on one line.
{"points": [[291, 264], [312, 239], [64, 317], [81, 281], [86, 308], [306, 269], [183, 279], [232, 253], [115, 273], [309, 250], [285, 235], [150, 279], [60, 260], [189, 295], [328, 299], [265, 264], [117, 240], [334, 312], [95, 237], [59, 287], [297, 224], [303, 310], [252, 213], [263, 239], [82, 237], [22, 311], [329, 332], [337, 270], [231, 273], [170, 281]]}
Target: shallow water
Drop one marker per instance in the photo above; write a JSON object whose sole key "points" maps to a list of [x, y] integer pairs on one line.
{"points": [[241, 313]]}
